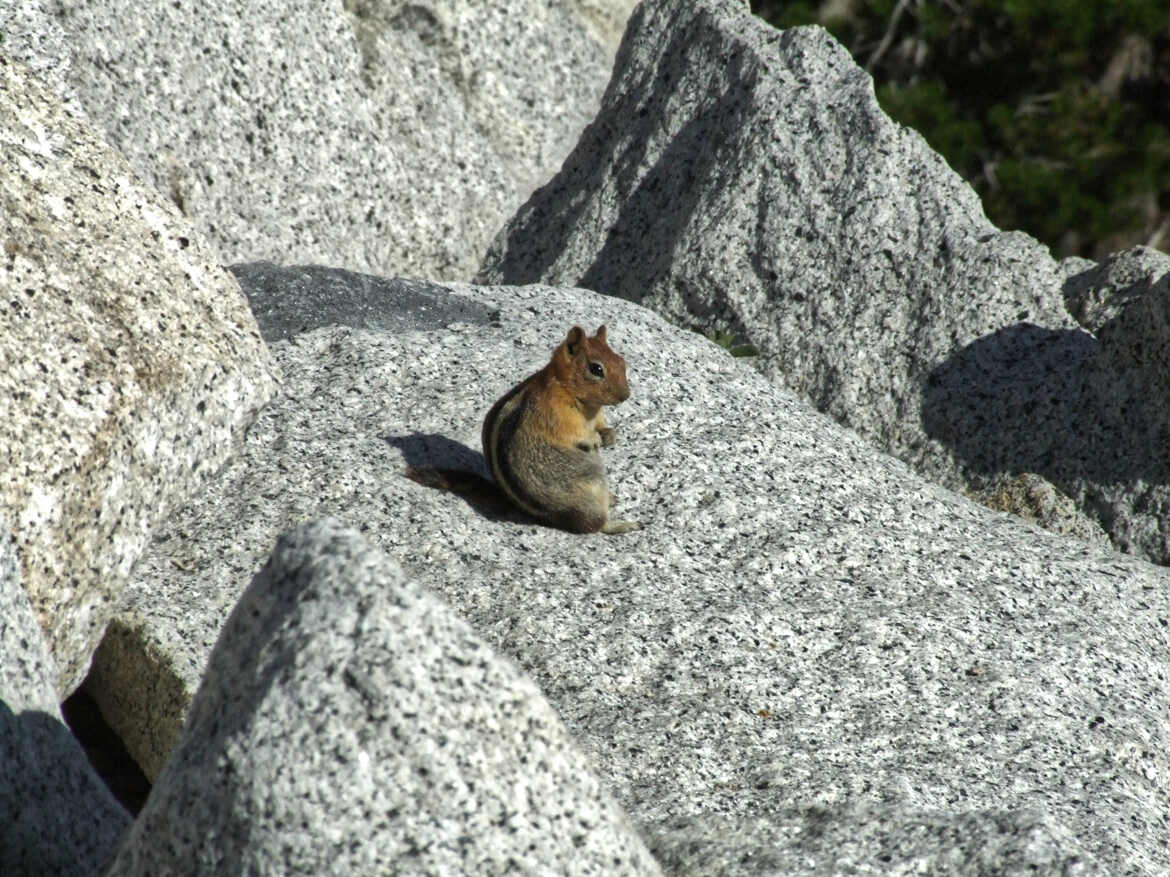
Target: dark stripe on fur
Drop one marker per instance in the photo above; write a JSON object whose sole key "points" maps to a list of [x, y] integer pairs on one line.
{"points": [[502, 428]]}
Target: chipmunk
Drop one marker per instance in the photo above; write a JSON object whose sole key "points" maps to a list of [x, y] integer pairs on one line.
{"points": [[542, 439]]}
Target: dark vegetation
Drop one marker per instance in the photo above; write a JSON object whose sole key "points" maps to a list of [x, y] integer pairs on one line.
{"points": [[1057, 112]]}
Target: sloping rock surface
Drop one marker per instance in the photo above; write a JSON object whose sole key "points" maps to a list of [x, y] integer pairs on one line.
{"points": [[739, 178], [130, 364], [56, 816], [810, 658], [150, 662], [374, 134], [350, 723]]}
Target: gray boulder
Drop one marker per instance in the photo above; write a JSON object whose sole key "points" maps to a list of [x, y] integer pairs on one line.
{"points": [[145, 700], [131, 364], [743, 179], [1036, 500], [376, 135], [30, 34], [350, 723], [56, 816], [809, 655], [1088, 413], [1096, 293]]}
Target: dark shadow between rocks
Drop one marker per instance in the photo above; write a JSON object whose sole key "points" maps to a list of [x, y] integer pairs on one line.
{"points": [[289, 301], [1029, 399], [656, 206], [106, 751], [573, 187], [659, 209], [56, 817]]}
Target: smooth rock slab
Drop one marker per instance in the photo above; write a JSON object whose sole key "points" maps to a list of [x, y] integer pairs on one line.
{"points": [[350, 723], [129, 364], [56, 816], [807, 641]]}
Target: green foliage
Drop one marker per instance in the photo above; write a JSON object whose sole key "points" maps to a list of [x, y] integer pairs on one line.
{"points": [[1056, 111], [925, 107], [730, 342], [794, 14]]}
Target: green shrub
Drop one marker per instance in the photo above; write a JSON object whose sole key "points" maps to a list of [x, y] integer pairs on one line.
{"points": [[1056, 111]]}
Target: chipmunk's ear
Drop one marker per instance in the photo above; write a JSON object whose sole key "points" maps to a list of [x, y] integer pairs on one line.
{"points": [[575, 340], [600, 336]]}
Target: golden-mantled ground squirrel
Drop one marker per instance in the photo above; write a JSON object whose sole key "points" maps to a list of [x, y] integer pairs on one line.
{"points": [[542, 439]]}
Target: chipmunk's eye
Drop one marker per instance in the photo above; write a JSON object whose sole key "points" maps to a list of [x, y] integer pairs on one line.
{"points": [[597, 369]]}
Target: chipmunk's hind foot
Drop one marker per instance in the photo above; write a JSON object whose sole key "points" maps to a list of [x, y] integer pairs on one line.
{"points": [[616, 528]]}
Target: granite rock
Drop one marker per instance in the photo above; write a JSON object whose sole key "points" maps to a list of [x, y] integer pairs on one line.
{"points": [[743, 179], [371, 134], [30, 34], [1087, 413], [1125, 472], [56, 816], [1037, 500], [131, 364], [809, 656], [351, 723], [143, 683], [866, 840], [1097, 292]]}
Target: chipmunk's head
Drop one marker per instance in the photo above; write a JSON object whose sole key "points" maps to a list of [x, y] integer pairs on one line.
{"points": [[592, 371]]}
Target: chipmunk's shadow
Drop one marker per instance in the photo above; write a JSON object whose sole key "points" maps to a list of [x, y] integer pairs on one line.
{"points": [[442, 463], [430, 449]]}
